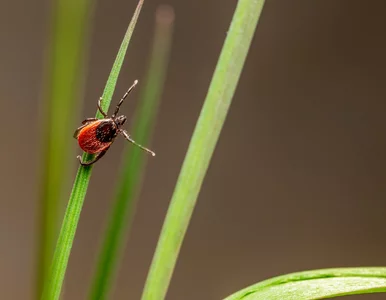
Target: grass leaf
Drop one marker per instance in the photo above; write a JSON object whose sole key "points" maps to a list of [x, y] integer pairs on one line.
{"points": [[134, 158], [202, 146], [63, 76], [54, 281], [317, 284]]}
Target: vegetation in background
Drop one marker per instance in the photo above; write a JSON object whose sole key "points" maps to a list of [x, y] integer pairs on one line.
{"points": [[54, 280], [69, 36], [317, 284], [134, 158], [202, 145], [61, 95]]}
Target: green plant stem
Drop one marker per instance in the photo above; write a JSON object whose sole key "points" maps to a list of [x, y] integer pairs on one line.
{"points": [[201, 147], [134, 158], [65, 69], [317, 284], [54, 282]]}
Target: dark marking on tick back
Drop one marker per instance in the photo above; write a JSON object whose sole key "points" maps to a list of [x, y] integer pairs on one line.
{"points": [[106, 131]]}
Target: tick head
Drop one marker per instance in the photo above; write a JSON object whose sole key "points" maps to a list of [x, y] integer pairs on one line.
{"points": [[120, 120]]}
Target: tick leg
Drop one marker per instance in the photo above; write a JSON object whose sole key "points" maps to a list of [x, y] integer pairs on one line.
{"points": [[123, 98], [77, 131], [97, 157], [88, 120], [100, 108], [127, 137], [84, 124]]}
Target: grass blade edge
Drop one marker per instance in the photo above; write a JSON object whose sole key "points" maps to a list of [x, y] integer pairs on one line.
{"points": [[55, 279], [202, 146]]}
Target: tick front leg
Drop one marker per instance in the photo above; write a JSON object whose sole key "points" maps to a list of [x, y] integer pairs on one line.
{"points": [[127, 137], [96, 158], [84, 124], [85, 121], [100, 108]]}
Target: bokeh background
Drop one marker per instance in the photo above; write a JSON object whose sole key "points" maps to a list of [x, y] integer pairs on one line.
{"points": [[297, 180]]}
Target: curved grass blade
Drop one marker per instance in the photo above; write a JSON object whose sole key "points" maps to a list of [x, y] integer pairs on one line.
{"points": [[65, 70], [134, 158], [317, 284], [54, 282], [202, 146]]}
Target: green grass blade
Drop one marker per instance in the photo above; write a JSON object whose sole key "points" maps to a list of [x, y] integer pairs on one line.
{"points": [[202, 145], [317, 284], [65, 70], [134, 158], [54, 281], [113, 78]]}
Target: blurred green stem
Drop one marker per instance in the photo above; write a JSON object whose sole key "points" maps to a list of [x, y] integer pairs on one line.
{"points": [[134, 158], [63, 80], [201, 147], [53, 284]]}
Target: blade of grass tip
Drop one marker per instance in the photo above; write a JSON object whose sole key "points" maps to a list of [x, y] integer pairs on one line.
{"points": [[54, 281], [134, 158], [68, 40], [317, 284], [201, 147]]}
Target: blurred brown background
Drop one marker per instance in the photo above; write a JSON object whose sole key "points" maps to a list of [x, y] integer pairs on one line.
{"points": [[298, 178]]}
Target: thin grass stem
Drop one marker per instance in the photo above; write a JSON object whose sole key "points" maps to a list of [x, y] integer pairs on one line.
{"points": [[202, 146], [64, 75], [53, 284], [134, 158]]}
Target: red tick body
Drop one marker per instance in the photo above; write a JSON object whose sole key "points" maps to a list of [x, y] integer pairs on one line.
{"points": [[95, 136], [89, 136]]}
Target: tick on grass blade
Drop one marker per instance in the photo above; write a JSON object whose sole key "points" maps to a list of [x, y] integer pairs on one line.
{"points": [[95, 136]]}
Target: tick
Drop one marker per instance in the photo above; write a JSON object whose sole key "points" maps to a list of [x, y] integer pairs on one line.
{"points": [[95, 136]]}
